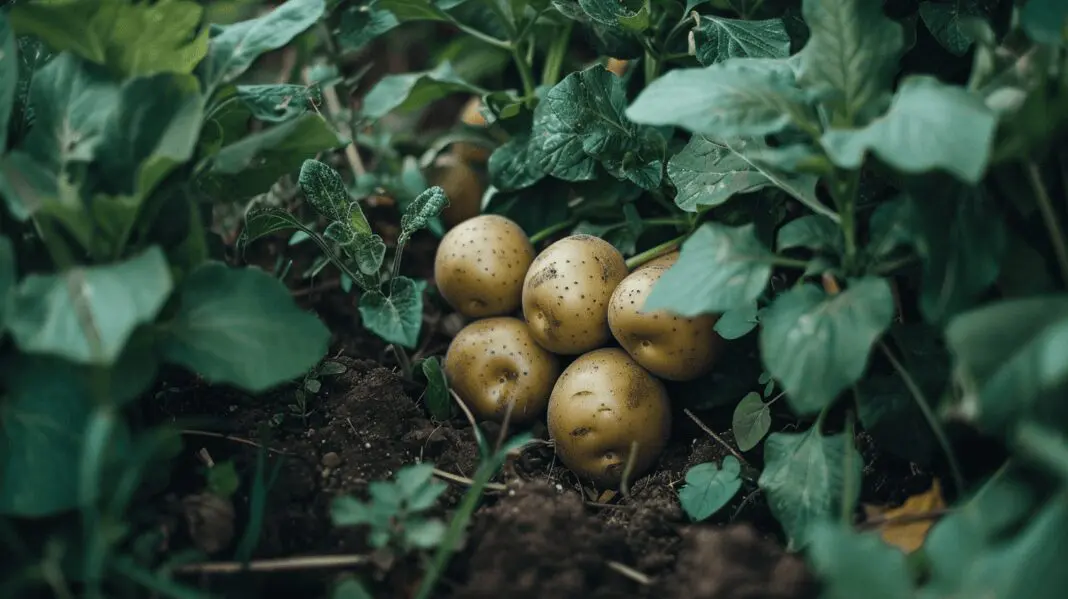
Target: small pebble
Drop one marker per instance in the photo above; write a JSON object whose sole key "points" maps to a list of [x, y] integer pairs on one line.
{"points": [[331, 460]]}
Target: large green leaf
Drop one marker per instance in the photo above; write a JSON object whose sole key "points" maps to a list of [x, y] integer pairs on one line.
{"points": [[817, 345], [621, 16], [581, 122], [1046, 21], [720, 268], [852, 565], [1011, 361], [806, 477], [930, 126], [718, 38], [511, 165], [9, 77], [411, 91], [946, 21], [86, 314], [397, 317], [736, 98], [241, 327], [709, 487], [280, 102], [813, 231], [131, 38], [360, 25], [234, 48], [851, 55]]}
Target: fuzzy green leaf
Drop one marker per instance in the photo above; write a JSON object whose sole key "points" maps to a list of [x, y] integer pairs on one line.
{"points": [[945, 23], [719, 38], [720, 268], [411, 91], [326, 191], [438, 402], [740, 97], [806, 477], [709, 487], [751, 421], [277, 103], [630, 15], [855, 564], [423, 208], [235, 47], [9, 77], [369, 251], [581, 122], [852, 53], [813, 231], [241, 327], [130, 38], [930, 126], [86, 314], [817, 345], [398, 317], [260, 222]]}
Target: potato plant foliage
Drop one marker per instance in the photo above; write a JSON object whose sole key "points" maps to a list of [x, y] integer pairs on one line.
{"points": [[870, 194]]}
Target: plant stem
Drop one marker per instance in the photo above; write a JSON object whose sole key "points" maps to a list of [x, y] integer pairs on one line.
{"points": [[845, 196], [655, 252], [475, 33], [651, 65], [554, 60], [928, 415], [788, 262], [525, 73], [550, 231], [1043, 445], [1049, 216]]}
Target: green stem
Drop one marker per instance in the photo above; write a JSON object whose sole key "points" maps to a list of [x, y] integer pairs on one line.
{"points": [[1049, 216], [928, 415], [665, 222], [788, 262], [554, 60], [822, 418], [848, 497], [655, 252], [551, 230], [1043, 445], [485, 37], [652, 66], [845, 196], [525, 73]]}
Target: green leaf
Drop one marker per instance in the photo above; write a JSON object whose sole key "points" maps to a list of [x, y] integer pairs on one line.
{"points": [[86, 314], [222, 479], [1045, 21], [9, 78], [854, 564], [945, 23], [369, 251], [581, 122], [416, 10], [360, 25], [720, 268], [888, 230], [261, 222], [930, 126], [739, 97], [738, 322], [326, 191], [45, 412], [350, 588], [438, 402], [708, 173], [817, 345], [709, 487], [806, 477], [234, 48], [511, 165], [424, 207], [130, 38], [960, 237], [398, 317], [751, 421], [851, 56], [277, 103], [1010, 361], [618, 14], [411, 91], [8, 280], [241, 327], [813, 231], [718, 38]]}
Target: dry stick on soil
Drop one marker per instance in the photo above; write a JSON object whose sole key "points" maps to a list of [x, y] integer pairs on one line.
{"points": [[717, 438], [234, 439], [630, 573], [284, 564], [456, 478]]}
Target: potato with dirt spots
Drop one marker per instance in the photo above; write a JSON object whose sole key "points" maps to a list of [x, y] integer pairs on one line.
{"points": [[495, 361], [667, 260], [566, 292], [480, 265], [601, 404], [668, 345]]}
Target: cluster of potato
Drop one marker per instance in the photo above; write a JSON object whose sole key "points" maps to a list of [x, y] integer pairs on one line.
{"points": [[573, 298]]}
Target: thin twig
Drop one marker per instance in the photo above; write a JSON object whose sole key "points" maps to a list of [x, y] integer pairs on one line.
{"points": [[903, 519], [1049, 216], [717, 438], [456, 478], [630, 573], [284, 564], [610, 506], [234, 439]]}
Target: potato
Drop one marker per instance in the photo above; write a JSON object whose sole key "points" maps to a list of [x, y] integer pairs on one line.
{"points": [[480, 265], [669, 346], [666, 260], [494, 361], [472, 117], [566, 292], [464, 188], [602, 403]]}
